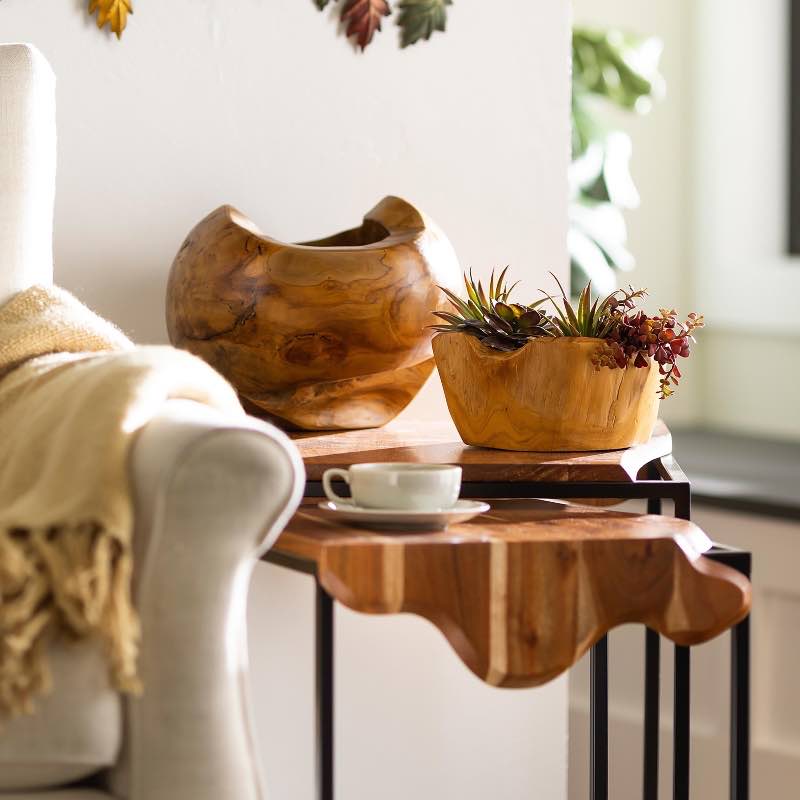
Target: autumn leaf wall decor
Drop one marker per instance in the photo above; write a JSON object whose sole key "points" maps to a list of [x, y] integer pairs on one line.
{"points": [[418, 19], [363, 18], [113, 13]]}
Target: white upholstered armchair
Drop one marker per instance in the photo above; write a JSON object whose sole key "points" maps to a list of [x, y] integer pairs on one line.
{"points": [[210, 495]]}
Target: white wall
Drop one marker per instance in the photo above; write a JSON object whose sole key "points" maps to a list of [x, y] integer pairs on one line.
{"points": [[259, 104]]}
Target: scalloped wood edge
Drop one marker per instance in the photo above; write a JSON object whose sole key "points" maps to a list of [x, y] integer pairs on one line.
{"points": [[523, 592]]}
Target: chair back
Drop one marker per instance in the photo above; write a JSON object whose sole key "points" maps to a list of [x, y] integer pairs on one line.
{"points": [[27, 168]]}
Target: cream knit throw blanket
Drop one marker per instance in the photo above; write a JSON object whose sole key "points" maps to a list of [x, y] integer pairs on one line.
{"points": [[73, 393]]}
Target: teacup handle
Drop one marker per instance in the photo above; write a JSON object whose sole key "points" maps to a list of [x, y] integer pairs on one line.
{"points": [[327, 477]]}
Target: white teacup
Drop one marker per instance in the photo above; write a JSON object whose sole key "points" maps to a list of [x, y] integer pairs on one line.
{"points": [[404, 487]]}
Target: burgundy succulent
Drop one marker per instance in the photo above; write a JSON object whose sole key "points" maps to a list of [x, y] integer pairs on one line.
{"points": [[637, 337]]}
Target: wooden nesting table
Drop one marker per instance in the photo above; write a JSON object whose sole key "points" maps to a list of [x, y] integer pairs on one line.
{"points": [[647, 471], [522, 592]]}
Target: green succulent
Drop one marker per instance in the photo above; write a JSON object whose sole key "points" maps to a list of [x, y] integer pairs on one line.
{"points": [[500, 324], [594, 319], [493, 318]]}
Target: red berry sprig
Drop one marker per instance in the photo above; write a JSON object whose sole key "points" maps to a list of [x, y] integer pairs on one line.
{"points": [[636, 337]]}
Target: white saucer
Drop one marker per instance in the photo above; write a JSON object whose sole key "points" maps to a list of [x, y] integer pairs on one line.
{"points": [[401, 521]]}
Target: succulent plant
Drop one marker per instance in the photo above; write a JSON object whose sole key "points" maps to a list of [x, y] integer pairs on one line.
{"points": [[493, 318], [628, 338], [593, 319], [636, 338]]}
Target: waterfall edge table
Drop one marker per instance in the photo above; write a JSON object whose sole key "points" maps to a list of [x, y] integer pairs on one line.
{"points": [[644, 472]]}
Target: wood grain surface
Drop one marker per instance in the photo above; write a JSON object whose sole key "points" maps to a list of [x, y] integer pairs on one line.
{"points": [[439, 443], [329, 334], [522, 592], [545, 396]]}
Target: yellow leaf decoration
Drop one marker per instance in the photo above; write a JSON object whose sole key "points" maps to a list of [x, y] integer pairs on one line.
{"points": [[112, 12]]}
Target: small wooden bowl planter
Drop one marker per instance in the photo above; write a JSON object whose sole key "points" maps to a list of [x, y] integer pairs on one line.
{"points": [[545, 396], [329, 334]]}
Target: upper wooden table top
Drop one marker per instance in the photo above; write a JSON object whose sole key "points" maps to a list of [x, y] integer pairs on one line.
{"points": [[439, 443], [523, 591]]}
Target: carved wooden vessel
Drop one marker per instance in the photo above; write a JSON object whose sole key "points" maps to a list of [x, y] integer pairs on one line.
{"points": [[521, 593], [329, 334], [546, 396]]}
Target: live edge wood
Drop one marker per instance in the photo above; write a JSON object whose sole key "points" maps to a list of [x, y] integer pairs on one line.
{"points": [[329, 334], [547, 395], [522, 592], [439, 443]]}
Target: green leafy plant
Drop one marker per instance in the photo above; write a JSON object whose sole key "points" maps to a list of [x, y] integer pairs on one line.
{"points": [[610, 69], [627, 337]]}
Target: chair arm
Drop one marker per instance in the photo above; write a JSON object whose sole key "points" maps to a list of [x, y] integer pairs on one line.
{"points": [[212, 493]]}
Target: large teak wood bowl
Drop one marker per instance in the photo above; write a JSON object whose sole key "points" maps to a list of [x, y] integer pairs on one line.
{"points": [[329, 334], [546, 396]]}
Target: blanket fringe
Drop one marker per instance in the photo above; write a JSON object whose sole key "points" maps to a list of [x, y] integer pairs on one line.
{"points": [[77, 578]]}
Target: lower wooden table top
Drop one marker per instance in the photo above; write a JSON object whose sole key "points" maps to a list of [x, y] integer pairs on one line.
{"points": [[439, 443], [524, 590]]}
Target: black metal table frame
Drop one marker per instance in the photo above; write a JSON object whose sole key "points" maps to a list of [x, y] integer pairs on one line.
{"points": [[665, 481]]}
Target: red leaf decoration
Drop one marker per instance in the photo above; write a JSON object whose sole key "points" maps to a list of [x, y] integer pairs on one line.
{"points": [[363, 18]]}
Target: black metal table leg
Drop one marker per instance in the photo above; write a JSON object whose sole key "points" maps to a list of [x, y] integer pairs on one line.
{"points": [[324, 693], [740, 711], [683, 504], [681, 725], [652, 707], [740, 560], [652, 687], [681, 719], [598, 720]]}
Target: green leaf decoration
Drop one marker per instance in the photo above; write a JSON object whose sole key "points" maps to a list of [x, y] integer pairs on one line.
{"points": [[321, 4], [420, 18]]}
